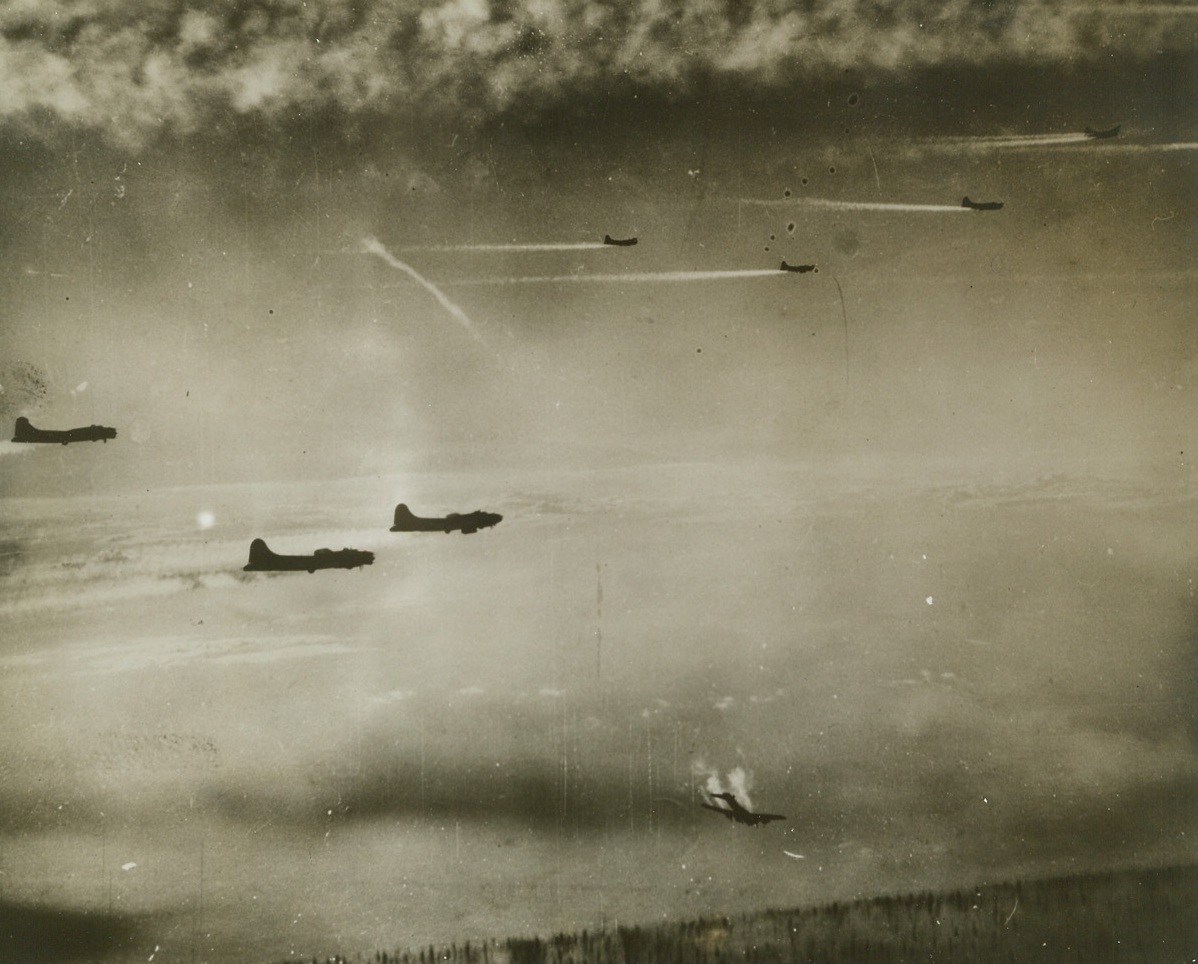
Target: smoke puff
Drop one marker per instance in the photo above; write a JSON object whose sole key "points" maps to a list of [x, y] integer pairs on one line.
{"points": [[738, 781], [134, 70]]}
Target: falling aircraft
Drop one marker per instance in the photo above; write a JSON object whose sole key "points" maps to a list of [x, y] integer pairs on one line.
{"points": [[1110, 132], [262, 559], [797, 268], [24, 432], [468, 523], [981, 205], [734, 811], [619, 243]]}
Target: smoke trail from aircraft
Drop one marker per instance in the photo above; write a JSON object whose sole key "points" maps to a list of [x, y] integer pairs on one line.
{"points": [[531, 246], [1132, 9], [1034, 141], [738, 781], [375, 247], [1070, 136], [829, 205], [1149, 148], [1009, 141], [844, 317], [647, 276], [13, 448]]}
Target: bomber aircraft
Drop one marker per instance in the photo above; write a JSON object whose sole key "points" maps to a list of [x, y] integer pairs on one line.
{"points": [[262, 559], [24, 432], [797, 268], [466, 523], [734, 811], [618, 242], [1110, 132], [981, 205]]}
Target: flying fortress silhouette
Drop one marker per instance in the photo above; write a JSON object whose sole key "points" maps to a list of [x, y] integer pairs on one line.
{"points": [[262, 559], [734, 811], [470, 522], [981, 205], [24, 432]]}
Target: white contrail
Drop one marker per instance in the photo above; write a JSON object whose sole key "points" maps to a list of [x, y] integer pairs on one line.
{"points": [[1072, 135], [1137, 8], [14, 448], [514, 246], [373, 246], [1033, 141], [1009, 141], [826, 204], [722, 275], [1149, 148]]}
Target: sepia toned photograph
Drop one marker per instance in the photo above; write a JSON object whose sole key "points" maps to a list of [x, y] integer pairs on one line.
{"points": [[598, 481]]}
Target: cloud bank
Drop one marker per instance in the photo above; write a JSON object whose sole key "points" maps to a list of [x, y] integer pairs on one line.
{"points": [[136, 70]]}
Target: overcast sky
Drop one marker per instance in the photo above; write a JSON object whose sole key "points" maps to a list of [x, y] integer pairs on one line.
{"points": [[900, 548], [134, 72]]}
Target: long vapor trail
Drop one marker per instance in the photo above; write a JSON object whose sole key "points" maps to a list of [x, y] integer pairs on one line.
{"points": [[531, 246], [650, 276], [1033, 141], [830, 205], [375, 247], [1132, 9], [1009, 141], [844, 317], [1150, 148]]}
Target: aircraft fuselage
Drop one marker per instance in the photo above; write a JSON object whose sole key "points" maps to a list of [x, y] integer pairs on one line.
{"points": [[262, 559], [24, 432], [466, 523], [734, 811], [981, 205]]}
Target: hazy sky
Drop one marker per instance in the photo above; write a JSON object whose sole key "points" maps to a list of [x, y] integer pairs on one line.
{"points": [[901, 548]]}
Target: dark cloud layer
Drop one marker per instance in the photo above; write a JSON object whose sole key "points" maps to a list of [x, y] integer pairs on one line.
{"points": [[48, 934], [136, 70]]}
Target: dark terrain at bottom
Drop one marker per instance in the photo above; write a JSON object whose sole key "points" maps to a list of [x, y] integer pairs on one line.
{"points": [[1126, 916]]}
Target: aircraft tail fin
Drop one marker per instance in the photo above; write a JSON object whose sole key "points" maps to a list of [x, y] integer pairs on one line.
{"points": [[22, 431], [260, 554], [403, 514]]}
